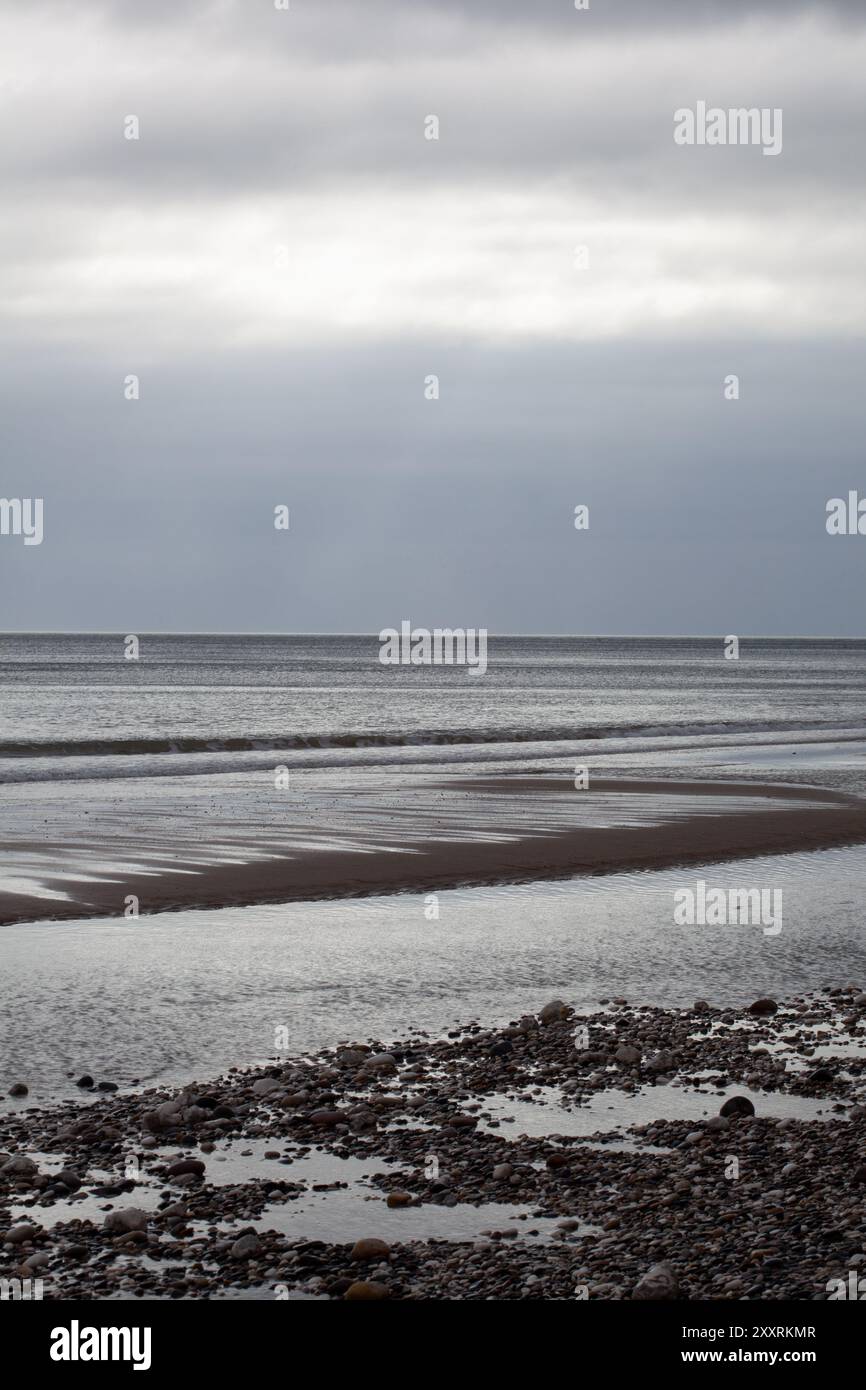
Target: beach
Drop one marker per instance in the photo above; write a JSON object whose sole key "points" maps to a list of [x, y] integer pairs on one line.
{"points": [[630, 1154], [301, 954]]}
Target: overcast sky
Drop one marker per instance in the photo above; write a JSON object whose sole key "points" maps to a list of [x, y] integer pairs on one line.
{"points": [[282, 258]]}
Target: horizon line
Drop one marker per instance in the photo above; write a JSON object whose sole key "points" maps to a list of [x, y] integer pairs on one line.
{"points": [[563, 636]]}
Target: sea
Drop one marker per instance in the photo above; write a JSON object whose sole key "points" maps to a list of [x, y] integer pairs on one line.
{"points": [[75, 706], [88, 731]]}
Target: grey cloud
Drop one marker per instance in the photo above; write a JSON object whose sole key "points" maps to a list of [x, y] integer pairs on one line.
{"points": [[222, 118], [706, 515], [380, 17]]}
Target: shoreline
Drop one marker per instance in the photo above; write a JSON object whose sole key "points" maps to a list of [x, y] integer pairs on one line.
{"points": [[613, 1177], [511, 847]]}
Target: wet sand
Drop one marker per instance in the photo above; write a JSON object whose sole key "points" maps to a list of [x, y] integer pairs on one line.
{"points": [[471, 833]]}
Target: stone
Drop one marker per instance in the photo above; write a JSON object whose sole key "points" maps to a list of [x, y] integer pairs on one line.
{"points": [[264, 1085], [183, 1166], [380, 1062], [502, 1171], [164, 1116], [737, 1106], [361, 1119], [662, 1061], [19, 1168], [84, 1081], [351, 1057], [20, 1235], [247, 1247], [325, 1119], [627, 1054], [370, 1248], [555, 1010], [38, 1260], [399, 1199], [365, 1290], [659, 1282], [122, 1222], [764, 1006], [19, 1089], [177, 1209]]}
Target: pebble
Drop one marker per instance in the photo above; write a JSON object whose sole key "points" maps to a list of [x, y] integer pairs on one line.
{"points": [[554, 1011], [658, 1283], [247, 1247], [364, 1290], [126, 1220], [370, 1248], [265, 1085], [737, 1106], [184, 1166], [19, 1167], [21, 1235]]}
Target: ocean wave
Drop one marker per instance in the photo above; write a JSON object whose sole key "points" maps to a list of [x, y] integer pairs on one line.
{"points": [[420, 738]]}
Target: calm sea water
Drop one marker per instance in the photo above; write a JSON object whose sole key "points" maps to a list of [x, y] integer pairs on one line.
{"points": [[188, 994], [73, 706]]}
